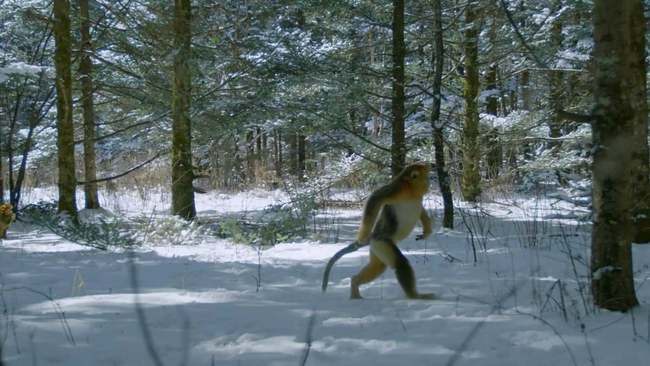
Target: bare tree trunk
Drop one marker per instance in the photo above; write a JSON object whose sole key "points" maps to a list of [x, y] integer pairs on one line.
{"points": [[471, 178], [65, 129], [14, 194], [436, 124], [494, 153], [398, 147], [556, 87], [293, 153], [277, 153], [85, 71], [302, 155], [524, 86], [182, 173], [250, 156], [2, 178], [620, 147]]}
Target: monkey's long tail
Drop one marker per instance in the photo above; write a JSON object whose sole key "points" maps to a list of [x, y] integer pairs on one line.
{"points": [[349, 249]]}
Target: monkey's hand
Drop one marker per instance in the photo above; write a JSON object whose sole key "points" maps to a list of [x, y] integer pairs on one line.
{"points": [[423, 236]]}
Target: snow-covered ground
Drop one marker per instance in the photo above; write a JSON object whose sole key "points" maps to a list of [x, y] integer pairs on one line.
{"points": [[212, 302]]}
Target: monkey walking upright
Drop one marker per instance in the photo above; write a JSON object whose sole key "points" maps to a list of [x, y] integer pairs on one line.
{"points": [[7, 216], [389, 216]]}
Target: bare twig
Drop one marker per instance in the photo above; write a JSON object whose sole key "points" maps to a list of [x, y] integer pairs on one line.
{"points": [[308, 339], [57, 309], [584, 118], [125, 172], [545, 322], [456, 356]]}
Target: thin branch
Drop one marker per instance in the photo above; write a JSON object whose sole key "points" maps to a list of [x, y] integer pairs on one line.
{"points": [[124, 129], [308, 339], [123, 173], [541, 64]]}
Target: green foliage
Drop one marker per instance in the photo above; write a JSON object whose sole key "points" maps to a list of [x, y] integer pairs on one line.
{"points": [[277, 223], [101, 234]]}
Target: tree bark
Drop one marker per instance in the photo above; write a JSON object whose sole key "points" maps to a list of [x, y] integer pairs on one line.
{"points": [[494, 153], [277, 153], [250, 157], [620, 147], [293, 153], [87, 103], [471, 178], [524, 86], [182, 173], [398, 147], [556, 87], [302, 156], [65, 130], [15, 192], [436, 124]]}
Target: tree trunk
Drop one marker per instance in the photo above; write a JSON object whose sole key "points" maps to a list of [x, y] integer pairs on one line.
{"points": [[620, 147], [65, 130], [2, 178], [492, 103], [277, 153], [494, 154], [556, 88], [85, 73], [398, 147], [436, 124], [524, 86], [182, 173], [15, 193], [302, 155], [293, 153], [250, 157], [471, 179]]}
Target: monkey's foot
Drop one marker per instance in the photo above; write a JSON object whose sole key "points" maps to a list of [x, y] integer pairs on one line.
{"points": [[354, 294], [427, 296]]}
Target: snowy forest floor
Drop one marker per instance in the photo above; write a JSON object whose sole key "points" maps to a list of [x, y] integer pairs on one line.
{"points": [[213, 302]]}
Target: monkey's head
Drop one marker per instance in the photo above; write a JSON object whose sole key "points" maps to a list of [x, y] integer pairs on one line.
{"points": [[416, 176]]}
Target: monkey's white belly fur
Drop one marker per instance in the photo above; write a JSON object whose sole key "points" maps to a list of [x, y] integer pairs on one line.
{"points": [[409, 215]]}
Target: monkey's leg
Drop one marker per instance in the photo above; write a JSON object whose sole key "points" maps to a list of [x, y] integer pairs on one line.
{"points": [[369, 273], [390, 255]]}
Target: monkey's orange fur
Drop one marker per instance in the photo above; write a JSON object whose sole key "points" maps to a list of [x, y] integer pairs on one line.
{"points": [[389, 216], [7, 216]]}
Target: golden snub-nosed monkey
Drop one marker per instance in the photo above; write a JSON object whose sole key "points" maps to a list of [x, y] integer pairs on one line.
{"points": [[389, 216], [7, 216]]}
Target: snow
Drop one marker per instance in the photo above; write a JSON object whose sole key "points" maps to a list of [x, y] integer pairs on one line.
{"points": [[212, 301], [18, 68]]}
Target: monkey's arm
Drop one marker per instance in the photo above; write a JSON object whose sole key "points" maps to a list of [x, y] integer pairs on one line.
{"points": [[426, 225], [375, 202]]}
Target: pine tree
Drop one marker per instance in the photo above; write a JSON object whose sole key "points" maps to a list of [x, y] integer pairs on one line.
{"points": [[182, 172], [65, 129], [620, 147]]}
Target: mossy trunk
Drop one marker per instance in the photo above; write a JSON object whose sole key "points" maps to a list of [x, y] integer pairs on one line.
{"points": [[302, 156], [65, 130], [471, 178], [87, 104], [436, 125], [182, 173], [620, 147]]}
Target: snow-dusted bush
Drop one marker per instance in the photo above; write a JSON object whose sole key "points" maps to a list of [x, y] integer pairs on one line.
{"points": [[101, 231], [170, 230]]}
